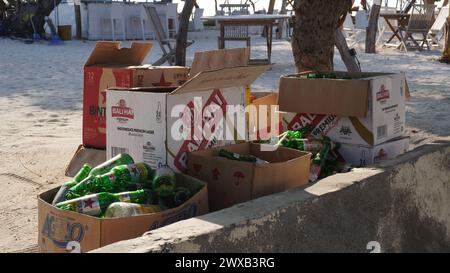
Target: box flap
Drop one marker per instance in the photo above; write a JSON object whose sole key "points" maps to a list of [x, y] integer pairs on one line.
{"points": [[348, 98], [83, 155], [110, 53], [222, 78], [218, 59]]}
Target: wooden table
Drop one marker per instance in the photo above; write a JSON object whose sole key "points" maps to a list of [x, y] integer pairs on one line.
{"points": [[266, 20], [402, 21]]}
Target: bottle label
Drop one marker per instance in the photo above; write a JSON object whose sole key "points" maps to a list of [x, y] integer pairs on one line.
{"points": [[135, 173], [314, 173], [88, 205], [312, 146]]}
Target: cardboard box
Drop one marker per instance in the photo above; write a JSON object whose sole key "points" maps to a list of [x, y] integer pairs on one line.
{"points": [[367, 111], [112, 66], [84, 155], [265, 120], [144, 122], [362, 155], [231, 182], [59, 227]]}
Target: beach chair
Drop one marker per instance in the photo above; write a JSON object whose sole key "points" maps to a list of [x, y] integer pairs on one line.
{"points": [[355, 32], [436, 31], [166, 44], [420, 23]]}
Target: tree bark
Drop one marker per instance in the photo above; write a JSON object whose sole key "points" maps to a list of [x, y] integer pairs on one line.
{"points": [[77, 20], [180, 50], [313, 37], [371, 33], [446, 51]]}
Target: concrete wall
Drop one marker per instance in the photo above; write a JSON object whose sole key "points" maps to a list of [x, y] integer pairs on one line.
{"points": [[404, 204]]}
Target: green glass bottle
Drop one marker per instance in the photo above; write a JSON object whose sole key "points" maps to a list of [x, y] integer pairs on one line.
{"points": [[116, 180], [120, 159], [318, 163], [181, 195], [80, 176], [235, 156], [164, 181], [96, 204]]}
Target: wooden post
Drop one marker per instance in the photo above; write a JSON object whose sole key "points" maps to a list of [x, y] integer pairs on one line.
{"points": [[180, 50], [371, 33], [281, 21], [342, 46], [269, 11], [76, 5]]}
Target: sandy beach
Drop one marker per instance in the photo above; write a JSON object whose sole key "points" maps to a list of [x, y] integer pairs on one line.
{"points": [[41, 106]]}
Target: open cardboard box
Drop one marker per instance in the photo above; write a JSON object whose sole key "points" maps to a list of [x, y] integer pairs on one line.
{"points": [[109, 65], [141, 121], [367, 110], [57, 228], [231, 182]]}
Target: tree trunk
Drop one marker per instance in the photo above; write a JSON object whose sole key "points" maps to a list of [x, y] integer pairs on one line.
{"points": [[371, 34], [446, 51], [19, 23], [77, 20], [313, 37], [180, 50]]}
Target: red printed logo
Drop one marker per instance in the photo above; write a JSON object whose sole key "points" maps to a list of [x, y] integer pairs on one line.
{"points": [[180, 160], [383, 94], [122, 111]]}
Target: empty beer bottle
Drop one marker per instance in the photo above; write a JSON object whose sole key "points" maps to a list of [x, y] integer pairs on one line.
{"points": [[80, 176], [235, 156], [121, 209], [318, 163], [181, 195], [117, 179], [164, 181], [120, 159], [95, 204]]}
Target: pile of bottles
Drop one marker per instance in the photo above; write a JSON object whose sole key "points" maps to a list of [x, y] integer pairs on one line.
{"points": [[241, 157], [121, 188], [325, 75], [325, 159]]}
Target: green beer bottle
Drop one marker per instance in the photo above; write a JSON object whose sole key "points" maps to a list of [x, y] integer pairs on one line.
{"points": [[164, 181], [95, 204], [81, 174], [318, 162], [117, 179], [121, 209], [181, 195], [120, 159], [235, 156]]}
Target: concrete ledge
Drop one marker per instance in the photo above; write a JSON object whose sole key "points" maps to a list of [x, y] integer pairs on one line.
{"points": [[404, 204]]}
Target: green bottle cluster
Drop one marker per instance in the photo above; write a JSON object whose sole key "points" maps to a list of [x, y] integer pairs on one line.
{"points": [[324, 161], [238, 157], [120, 180], [96, 204], [326, 75]]}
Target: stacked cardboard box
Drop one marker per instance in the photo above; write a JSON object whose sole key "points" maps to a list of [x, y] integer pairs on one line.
{"points": [[365, 113], [231, 182], [156, 125], [112, 66]]}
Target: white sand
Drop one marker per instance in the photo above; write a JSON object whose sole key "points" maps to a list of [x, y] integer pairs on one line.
{"points": [[41, 103]]}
